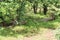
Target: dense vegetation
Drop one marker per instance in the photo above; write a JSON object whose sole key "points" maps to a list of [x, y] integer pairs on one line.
{"points": [[28, 15], [14, 12]]}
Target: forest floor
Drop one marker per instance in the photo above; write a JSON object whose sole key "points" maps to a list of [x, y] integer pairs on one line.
{"points": [[45, 30], [47, 34]]}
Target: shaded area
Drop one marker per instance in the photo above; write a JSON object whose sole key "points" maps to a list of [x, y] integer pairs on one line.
{"points": [[39, 22]]}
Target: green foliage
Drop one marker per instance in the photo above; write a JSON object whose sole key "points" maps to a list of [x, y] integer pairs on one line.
{"points": [[57, 33], [22, 10], [8, 10]]}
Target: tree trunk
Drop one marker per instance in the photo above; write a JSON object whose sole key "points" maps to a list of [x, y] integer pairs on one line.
{"points": [[35, 6], [44, 9]]}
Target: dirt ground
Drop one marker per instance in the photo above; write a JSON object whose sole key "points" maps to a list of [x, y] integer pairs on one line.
{"points": [[47, 34]]}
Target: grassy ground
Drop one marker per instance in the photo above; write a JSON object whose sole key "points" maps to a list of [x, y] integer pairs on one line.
{"points": [[32, 27]]}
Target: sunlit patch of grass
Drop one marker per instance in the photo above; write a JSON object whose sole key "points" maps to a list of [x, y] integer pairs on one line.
{"points": [[36, 15], [56, 24], [8, 38], [19, 28], [25, 30]]}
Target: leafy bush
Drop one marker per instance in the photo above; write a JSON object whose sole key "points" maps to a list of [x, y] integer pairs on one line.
{"points": [[57, 33]]}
